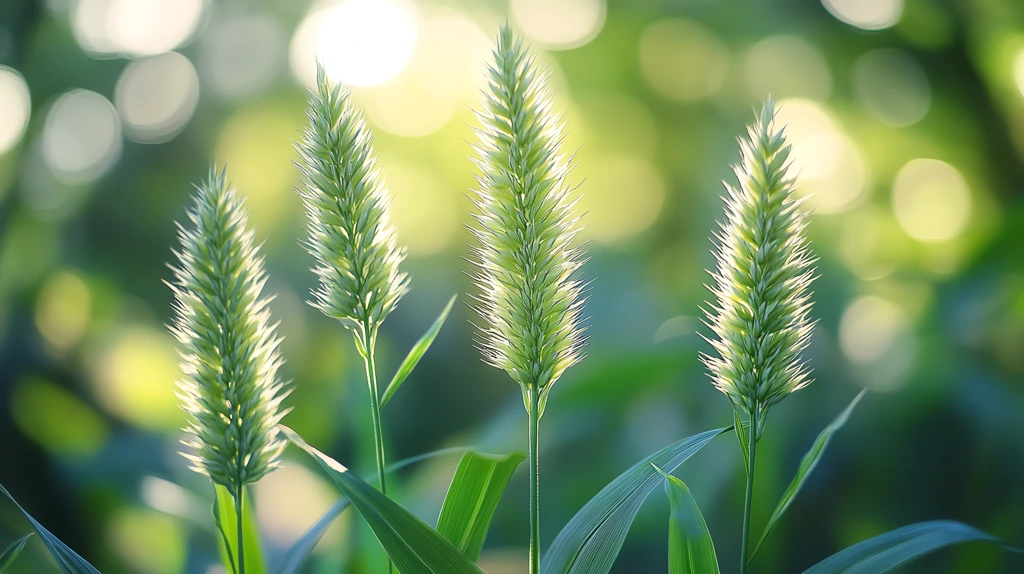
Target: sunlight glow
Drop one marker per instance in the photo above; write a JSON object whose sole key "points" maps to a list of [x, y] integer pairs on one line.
{"points": [[134, 27], [157, 96], [63, 309], [241, 54], [56, 419], [81, 137], [683, 60], [559, 24], [892, 86], [289, 500], [134, 377], [866, 14], [931, 200], [147, 540], [16, 105], [425, 210], [786, 66], [1018, 72], [875, 335], [624, 197]]}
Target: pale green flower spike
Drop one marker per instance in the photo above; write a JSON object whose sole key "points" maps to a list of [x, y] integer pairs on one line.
{"points": [[347, 208], [230, 390], [530, 300], [760, 315]]}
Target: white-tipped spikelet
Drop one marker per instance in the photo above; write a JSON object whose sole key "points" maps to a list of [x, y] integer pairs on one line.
{"points": [[530, 300], [230, 390], [347, 207], [760, 314]]}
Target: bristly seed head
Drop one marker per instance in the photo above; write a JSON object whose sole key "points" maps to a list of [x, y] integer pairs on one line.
{"points": [[230, 390], [530, 299], [760, 315], [347, 207]]}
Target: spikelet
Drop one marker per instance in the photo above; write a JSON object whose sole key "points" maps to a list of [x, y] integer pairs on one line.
{"points": [[530, 300], [230, 390], [347, 208], [760, 316]]}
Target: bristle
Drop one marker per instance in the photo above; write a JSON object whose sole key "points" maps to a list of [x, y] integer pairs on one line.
{"points": [[230, 391], [530, 301], [760, 317]]}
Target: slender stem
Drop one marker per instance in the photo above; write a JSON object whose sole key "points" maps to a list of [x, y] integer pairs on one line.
{"points": [[534, 483], [378, 432], [752, 434], [238, 512]]}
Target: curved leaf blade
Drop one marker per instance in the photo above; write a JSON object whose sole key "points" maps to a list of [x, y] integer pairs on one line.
{"points": [[690, 548], [67, 559], [807, 465], [296, 556], [887, 551], [9, 555], [414, 547], [590, 541], [472, 498], [227, 525], [416, 353]]}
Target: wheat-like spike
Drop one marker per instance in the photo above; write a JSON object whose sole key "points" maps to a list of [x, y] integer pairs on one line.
{"points": [[530, 299], [760, 317], [347, 206], [230, 390]]}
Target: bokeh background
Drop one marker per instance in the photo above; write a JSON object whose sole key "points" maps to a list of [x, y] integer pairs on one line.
{"points": [[907, 121]]}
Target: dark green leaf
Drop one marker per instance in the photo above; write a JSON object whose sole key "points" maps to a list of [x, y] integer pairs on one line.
{"points": [[227, 524], [472, 498], [807, 464], [300, 551], [416, 353], [590, 541], [898, 547], [414, 547], [741, 435], [7, 558], [69, 562], [690, 549]]}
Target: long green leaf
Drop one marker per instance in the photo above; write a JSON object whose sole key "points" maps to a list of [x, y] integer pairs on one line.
{"points": [[300, 550], [898, 547], [472, 498], [807, 465], [7, 558], [416, 353], [69, 562], [414, 547], [690, 548], [590, 541], [227, 524]]}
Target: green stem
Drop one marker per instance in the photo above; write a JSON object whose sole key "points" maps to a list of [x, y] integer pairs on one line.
{"points": [[238, 512], [534, 483], [378, 432], [752, 441]]}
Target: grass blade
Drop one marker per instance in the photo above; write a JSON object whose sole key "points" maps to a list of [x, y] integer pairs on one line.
{"points": [[7, 558], [590, 541], [227, 524], [67, 559], [416, 353], [690, 548], [807, 464], [898, 547], [414, 547], [472, 498], [296, 556]]}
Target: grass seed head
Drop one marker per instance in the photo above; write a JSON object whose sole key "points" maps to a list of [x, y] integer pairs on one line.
{"points": [[762, 302], [230, 390], [530, 300], [347, 208]]}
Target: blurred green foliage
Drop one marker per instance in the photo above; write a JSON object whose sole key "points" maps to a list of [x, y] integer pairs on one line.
{"points": [[908, 122]]}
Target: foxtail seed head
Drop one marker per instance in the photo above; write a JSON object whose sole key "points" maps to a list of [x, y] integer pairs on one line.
{"points": [[230, 390], [760, 315], [530, 300], [347, 207]]}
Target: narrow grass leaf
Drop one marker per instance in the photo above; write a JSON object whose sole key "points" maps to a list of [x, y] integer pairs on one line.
{"points": [[7, 558], [590, 541], [472, 498], [67, 559], [414, 547], [416, 353], [227, 525], [741, 435], [299, 552], [807, 465], [891, 550], [690, 548]]}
